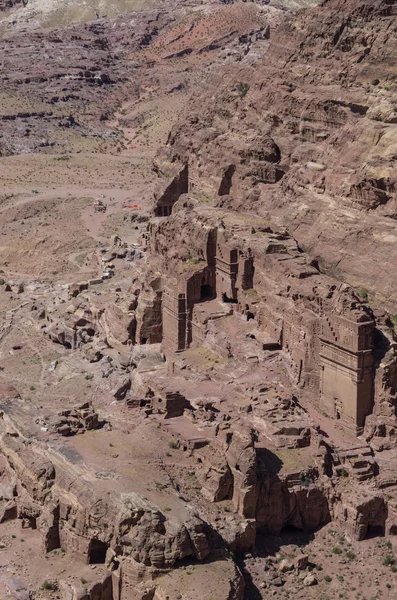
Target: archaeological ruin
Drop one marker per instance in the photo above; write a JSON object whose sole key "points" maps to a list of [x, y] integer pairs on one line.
{"points": [[198, 319]]}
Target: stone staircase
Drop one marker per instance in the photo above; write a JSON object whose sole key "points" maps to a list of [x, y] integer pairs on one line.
{"points": [[356, 462]]}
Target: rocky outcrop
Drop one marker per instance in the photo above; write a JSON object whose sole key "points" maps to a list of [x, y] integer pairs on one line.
{"points": [[148, 312], [78, 419], [241, 458], [281, 505], [362, 518], [289, 135], [116, 528]]}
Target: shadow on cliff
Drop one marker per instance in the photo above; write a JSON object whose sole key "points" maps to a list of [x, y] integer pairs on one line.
{"points": [[268, 462], [269, 545], [382, 346], [251, 592]]}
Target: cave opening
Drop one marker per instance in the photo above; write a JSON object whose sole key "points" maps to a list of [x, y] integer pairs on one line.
{"points": [[206, 292], [375, 531], [97, 552]]}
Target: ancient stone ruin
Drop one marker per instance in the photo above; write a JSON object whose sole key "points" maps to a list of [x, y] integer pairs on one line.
{"points": [[198, 319]]}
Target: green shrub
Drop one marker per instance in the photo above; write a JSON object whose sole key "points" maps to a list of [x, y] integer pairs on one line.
{"points": [[48, 585], [328, 578], [350, 555], [336, 550], [173, 445], [388, 560], [243, 89], [304, 480], [363, 294]]}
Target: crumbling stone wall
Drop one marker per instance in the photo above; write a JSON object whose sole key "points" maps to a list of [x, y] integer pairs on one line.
{"points": [[263, 276]]}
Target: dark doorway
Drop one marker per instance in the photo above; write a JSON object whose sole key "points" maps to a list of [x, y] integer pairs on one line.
{"points": [[97, 552], [206, 292], [250, 315], [300, 370], [29, 523], [375, 531], [226, 183], [143, 340]]}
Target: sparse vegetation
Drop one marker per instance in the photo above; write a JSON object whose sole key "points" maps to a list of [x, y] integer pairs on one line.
{"points": [[388, 560], [336, 550], [243, 89], [304, 480], [80, 259], [363, 294], [173, 445], [48, 585]]}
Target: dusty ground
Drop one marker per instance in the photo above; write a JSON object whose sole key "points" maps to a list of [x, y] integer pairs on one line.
{"points": [[48, 225], [343, 568]]}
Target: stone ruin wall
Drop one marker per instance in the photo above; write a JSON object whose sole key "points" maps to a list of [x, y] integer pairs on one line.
{"points": [[331, 347]]}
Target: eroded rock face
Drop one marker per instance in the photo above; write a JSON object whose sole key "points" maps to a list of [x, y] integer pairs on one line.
{"points": [[241, 458], [290, 135], [124, 529], [238, 261], [280, 506], [364, 518]]}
